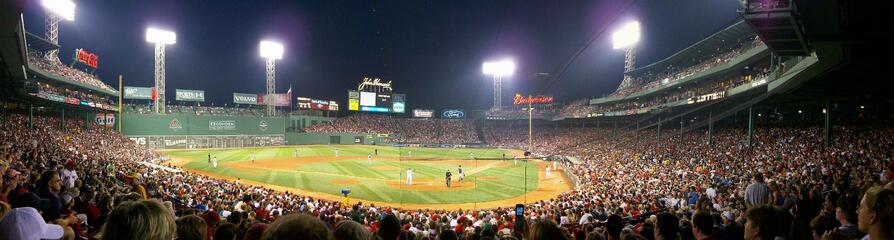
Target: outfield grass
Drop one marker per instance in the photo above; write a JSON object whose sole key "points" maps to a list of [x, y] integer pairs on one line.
{"points": [[369, 181]]}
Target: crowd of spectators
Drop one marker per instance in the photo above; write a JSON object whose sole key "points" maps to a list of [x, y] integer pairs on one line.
{"points": [[251, 111], [47, 89], [674, 73], [580, 109], [91, 183], [404, 130], [37, 60]]}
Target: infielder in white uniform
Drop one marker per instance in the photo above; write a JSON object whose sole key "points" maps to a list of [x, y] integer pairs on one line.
{"points": [[252, 157], [336, 152], [369, 159], [409, 176], [547, 171], [214, 161]]}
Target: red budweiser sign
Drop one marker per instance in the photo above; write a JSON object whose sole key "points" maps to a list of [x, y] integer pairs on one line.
{"points": [[83, 56], [519, 99]]}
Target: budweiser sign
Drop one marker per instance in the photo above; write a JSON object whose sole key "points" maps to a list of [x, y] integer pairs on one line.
{"points": [[519, 99], [88, 58]]}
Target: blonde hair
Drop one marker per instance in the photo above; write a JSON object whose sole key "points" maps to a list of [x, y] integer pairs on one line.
{"points": [[138, 220], [881, 201], [4, 209]]}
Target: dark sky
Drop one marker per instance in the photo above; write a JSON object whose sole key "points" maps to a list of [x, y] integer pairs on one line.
{"points": [[431, 50]]}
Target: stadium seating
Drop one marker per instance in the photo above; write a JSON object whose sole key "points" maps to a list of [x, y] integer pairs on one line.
{"points": [[631, 179]]}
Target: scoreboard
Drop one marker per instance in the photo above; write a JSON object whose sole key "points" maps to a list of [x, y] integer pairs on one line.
{"points": [[309, 103], [373, 95]]}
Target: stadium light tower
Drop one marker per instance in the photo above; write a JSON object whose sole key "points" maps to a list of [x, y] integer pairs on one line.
{"points": [[271, 51], [626, 38], [160, 38], [498, 69], [58, 10]]}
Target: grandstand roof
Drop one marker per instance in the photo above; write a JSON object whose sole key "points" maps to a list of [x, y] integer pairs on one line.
{"points": [[39, 43], [687, 56]]}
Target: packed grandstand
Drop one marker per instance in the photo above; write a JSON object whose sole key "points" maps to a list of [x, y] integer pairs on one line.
{"points": [[643, 166]]}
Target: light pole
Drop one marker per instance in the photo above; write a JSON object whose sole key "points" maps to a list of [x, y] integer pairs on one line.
{"points": [[58, 10], [498, 69], [271, 51], [160, 38], [626, 38]]}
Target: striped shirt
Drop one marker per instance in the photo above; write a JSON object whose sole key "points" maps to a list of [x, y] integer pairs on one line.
{"points": [[757, 194]]}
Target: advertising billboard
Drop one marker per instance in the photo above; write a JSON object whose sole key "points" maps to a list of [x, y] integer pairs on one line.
{"points": [[245, 98], [138, 93], [87, 58], [423, 113], [519, 99], [453, 113], [190, 95]]}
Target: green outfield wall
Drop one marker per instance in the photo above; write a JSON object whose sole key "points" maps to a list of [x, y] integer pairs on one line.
{"points": [[333, 138], [191, 124]]}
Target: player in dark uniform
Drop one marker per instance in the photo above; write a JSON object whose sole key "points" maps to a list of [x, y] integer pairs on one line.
{"points": [[209, 157], [448, 177]]}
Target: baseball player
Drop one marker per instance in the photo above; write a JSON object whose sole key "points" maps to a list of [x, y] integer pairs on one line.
{"points": [[409, 176], [515, 160], [336, 152], [369, 159], [214, 161], [459, 172], [547, 171], [252, 157]]}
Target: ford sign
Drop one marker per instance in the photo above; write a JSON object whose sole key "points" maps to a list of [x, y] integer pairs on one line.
{"points": [[453, 113]]}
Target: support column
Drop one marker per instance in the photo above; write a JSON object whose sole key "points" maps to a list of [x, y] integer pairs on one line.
{"points": [[659, 132], [615, 130], [30, 115], [710, 127], [597, 123], [827, 134], [636, 133], [62, 120], [681, 130], [750, 126]]}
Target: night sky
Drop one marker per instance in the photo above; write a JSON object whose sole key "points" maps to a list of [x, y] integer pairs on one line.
{"points": [[431, 50]]}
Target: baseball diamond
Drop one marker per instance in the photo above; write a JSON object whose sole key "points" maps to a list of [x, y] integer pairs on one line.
{"points": [[489, 180]]}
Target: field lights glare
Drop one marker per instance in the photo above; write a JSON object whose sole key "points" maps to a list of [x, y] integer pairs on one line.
{"points": [[160, 36], [62, 8], [271, 50], [499, 68], [627, 36]]}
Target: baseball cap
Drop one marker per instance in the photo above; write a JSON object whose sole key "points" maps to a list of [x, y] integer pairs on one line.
{"points": [[26, 224], [728, 215]]}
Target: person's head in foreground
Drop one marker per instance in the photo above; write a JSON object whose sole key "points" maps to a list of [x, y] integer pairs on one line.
{"points": [[297, 226], [876, 213], [760, 223], [137, 220]]}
